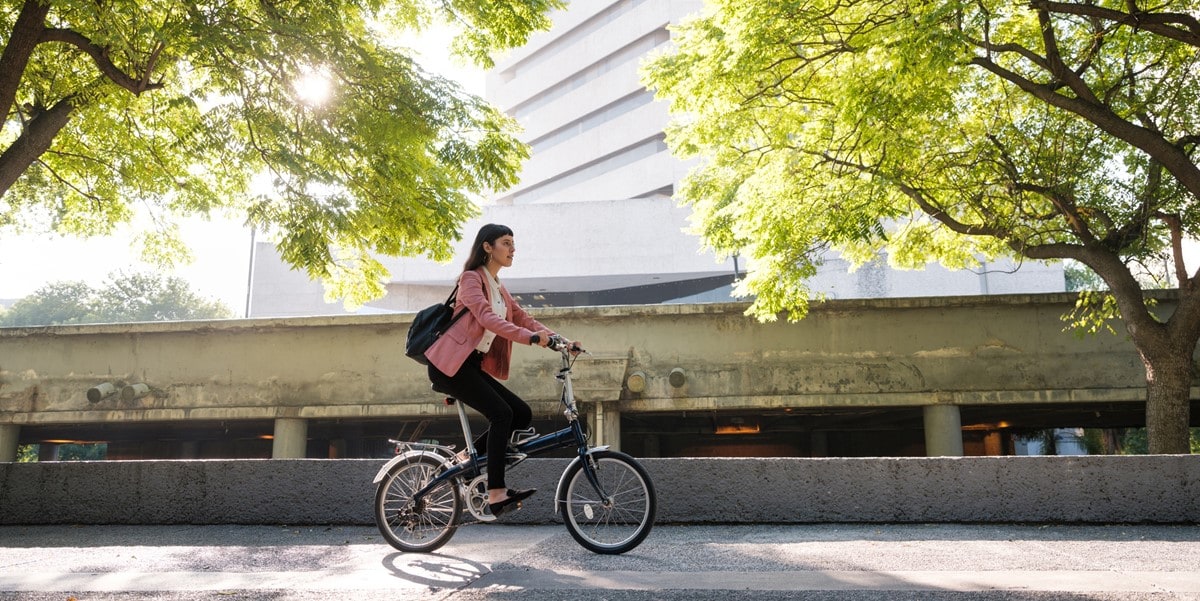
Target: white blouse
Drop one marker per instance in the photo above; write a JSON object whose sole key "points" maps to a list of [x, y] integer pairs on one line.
{"points": [[498, 306]]}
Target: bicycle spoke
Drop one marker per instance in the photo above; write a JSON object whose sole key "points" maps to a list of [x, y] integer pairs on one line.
{"points": [[619, 522], [419, 525]]}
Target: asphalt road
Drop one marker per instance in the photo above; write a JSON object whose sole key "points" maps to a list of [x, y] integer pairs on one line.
{"points": [[534, 563]]}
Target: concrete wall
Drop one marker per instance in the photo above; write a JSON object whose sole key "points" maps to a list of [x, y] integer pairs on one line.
{"points": [[1160, 489], [886, 352], [938, 354]]}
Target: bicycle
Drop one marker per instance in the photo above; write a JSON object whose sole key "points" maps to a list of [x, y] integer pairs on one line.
{"points": [[606, 497]]}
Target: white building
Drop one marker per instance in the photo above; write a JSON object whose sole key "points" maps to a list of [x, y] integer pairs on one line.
{"points": [[593, 214]]}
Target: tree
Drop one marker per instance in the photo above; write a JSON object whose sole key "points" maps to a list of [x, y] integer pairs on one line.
{"points": [[1135, 443], [177, 107], [56, 303], [124, 298], [950, 131], [88, 451]]}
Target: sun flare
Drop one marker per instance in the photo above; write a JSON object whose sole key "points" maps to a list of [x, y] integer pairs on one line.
{"points": [[314, 87]]}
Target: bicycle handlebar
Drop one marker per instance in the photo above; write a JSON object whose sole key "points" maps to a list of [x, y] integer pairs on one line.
{"points": [[558, 343]]}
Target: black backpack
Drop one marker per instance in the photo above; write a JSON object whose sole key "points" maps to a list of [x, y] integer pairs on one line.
{"points": [[428, 326]]}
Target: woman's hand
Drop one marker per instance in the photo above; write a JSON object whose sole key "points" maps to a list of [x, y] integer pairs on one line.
{"points": [[544, 338]]}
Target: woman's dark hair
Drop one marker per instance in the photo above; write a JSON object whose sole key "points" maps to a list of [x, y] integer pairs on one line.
{"points": [[488, 233]]}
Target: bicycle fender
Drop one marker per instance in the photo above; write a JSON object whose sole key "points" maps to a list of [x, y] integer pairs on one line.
{"points": [[562, 480], [407, 455]]}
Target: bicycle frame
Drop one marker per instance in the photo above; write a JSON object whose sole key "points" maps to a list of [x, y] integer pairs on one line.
{"points": [[572, 435]]}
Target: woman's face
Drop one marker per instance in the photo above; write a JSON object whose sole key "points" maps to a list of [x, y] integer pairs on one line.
{"points": [[501, 251]]}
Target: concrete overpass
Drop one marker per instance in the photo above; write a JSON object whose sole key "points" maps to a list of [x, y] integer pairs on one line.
{"points": [[660, 378]]}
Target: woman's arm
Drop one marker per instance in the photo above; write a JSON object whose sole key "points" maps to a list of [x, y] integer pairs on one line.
{"points": [[472, 294], [523, 319]]}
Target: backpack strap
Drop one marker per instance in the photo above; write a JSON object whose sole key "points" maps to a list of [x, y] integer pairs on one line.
{"points": [[450, 301]]}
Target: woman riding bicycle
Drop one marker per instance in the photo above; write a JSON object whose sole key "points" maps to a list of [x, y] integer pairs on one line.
{"points": [[470, 357]]}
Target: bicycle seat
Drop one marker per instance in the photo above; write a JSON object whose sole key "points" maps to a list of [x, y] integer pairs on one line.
{"points": [[449, 397]]}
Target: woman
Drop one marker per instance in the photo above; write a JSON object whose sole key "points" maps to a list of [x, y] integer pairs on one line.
{"points": [[474, 353]]}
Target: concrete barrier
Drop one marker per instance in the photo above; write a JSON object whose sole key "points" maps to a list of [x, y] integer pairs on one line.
{"points": [[1125, 489]]}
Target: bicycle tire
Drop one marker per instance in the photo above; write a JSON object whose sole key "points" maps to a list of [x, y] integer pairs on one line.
{"points": [[603, 527], [416, 529]]}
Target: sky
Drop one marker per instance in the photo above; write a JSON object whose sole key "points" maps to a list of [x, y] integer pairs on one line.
{"points": [[220, 247]]}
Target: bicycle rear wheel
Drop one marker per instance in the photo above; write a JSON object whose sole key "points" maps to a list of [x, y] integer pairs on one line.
{"points": [[614, 524], [416, 527]]}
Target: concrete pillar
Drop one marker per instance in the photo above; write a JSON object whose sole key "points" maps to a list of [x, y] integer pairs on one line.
{"points": [[291, 438], [596, 419], [604, 425], [943, 431], [612, 427], [10, 434]]}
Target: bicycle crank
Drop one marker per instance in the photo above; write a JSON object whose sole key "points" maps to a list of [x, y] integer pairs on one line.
{"points": [[476, 495]]}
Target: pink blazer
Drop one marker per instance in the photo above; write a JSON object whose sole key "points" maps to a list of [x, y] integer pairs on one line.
{"points": [[457, 343]]}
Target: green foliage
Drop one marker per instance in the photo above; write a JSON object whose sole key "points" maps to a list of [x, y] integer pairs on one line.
{"points": [[1136, 442], [953, 132], [54, 303], [83, 452], [927, 132], [66, 452], [178, 108], [1095, 442], [1094, 311], [1081, 278], [124, 298], [1096, 308]]}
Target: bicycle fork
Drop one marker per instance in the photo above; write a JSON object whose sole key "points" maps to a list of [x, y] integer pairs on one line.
{"points": [[590, 468]]}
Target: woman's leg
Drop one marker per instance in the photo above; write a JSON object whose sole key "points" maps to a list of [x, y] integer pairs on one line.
{"points": [[475, 388], [522, 415]]}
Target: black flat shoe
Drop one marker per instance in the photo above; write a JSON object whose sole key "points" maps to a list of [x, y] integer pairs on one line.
{"points": [[512, 502]]}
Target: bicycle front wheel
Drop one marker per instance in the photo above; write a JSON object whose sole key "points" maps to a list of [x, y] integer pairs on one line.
{"points": [[416, 526], [620, 519]]}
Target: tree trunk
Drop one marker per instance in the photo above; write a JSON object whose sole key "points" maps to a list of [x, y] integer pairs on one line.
{"points": [[1168, 400], [35, 140], [24, 37]]}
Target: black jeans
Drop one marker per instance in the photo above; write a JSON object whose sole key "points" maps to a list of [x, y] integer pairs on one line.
{"points": [[504, 410]]}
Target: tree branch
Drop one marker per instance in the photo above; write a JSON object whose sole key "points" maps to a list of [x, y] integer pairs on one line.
{"points": [[1175, 226], [923, 202], [1058, 68], [1064, 205], [1170, 156], [26, 33], [100, 57], [34, 140], [1181, 27]]}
